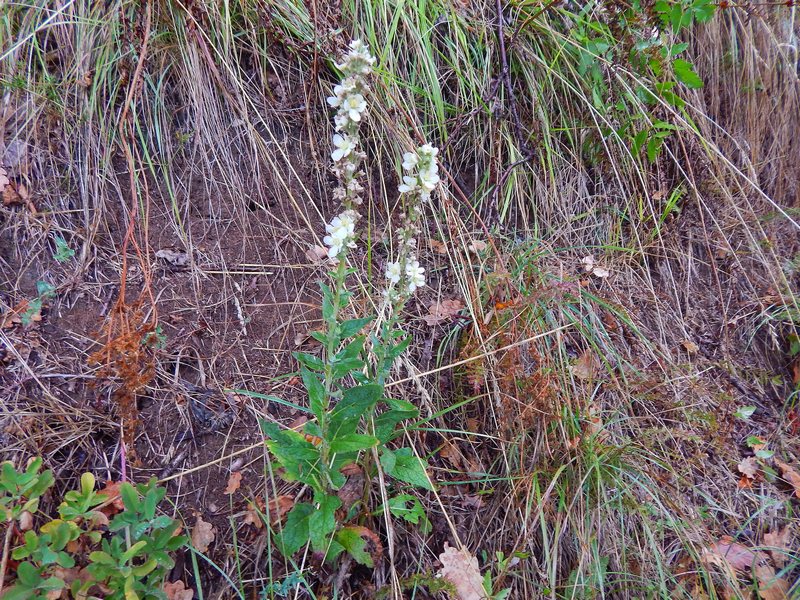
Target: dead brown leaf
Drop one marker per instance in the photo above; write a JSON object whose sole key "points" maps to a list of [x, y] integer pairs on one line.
{"points": [[202, 534], [111, 492], [790, 475], [353, 489], [4, 180], [176, 258], [473, 425], [279, 507], [252, 516], [779, 541], [234, 481], [749, 467], [461, 569], [18, 194], [438, 247], [586, 366], [770, 587], [477, 247], [452, 454], [690, 346], [442, 311], [590, 266], [177, 590], [735, 554]]}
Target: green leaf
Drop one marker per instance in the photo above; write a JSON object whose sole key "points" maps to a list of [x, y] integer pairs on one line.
{"points": [[638, 141], [134, 550], [703, 10], [684, 72], [63, 252], [87, 483], [745, 412], [316, 392], [295, 532], [355, 402], [355, 545], [352, 442], [44, 289], [310, 361], [654, 145], [129, 497], [28, 574], [403, 465], [678, 48], [101, 558], [408, 508], [299, 457], [322, 521], [349, 358], [353, 326], [327, 303]]}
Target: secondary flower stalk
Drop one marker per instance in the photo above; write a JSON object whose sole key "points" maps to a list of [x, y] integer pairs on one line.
{"points": [[421, 177]]}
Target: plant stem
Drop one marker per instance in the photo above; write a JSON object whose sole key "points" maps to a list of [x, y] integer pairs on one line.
{"points": [[330, 350]]}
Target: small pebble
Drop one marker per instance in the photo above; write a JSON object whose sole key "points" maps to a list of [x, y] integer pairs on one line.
{"points": [[237, 464]]}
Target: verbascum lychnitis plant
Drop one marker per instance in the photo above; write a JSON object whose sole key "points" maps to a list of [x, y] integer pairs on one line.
{"points": [[355, 426]]}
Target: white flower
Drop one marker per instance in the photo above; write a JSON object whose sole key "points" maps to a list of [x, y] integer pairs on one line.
{"points": [[409, 185], [354, 105], [340, 92], [428, 150], [429, 178], [410, 160], [415, 275], [341, 231], [340, 121], [393, 272], [344, 146], [358, 60]]}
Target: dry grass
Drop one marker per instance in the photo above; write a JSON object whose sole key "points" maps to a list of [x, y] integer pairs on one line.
{"points": [[601, 456]]}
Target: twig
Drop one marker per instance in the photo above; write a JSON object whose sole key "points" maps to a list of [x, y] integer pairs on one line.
{"points": [[505, 75], [6, 548]]}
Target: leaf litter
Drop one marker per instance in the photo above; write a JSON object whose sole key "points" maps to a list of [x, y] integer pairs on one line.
{"points": [[461, 569]]}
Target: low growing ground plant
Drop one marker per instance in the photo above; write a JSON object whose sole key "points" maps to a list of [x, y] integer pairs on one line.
{"points": [[82, 553]]}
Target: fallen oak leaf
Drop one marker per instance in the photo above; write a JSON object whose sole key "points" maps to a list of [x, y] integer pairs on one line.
{"points": [[252, 516], [740, 557], [202, 534], [113, 503], [461, 569], [749, 467], [586, 366], [177, 590], [438, 247], [442, 311], [279, 507], [174, 257], [477, 246], [778, 543], [770, 587], [18, 194], [789, 475], [234, 481]]}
